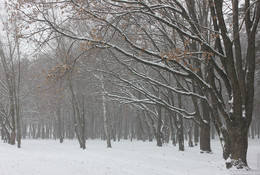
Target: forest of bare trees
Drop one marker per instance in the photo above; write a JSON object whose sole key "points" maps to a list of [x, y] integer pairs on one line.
{"points": [[165, 70]]}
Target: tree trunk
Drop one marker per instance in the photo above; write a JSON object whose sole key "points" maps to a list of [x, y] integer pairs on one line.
{"points": [[167, 134], [239, 145], [172, 132], [12, 139], [24, 131], [180, 135], [6, 135], [139, 126], [253, 129], [158, 134], [19, 135], [212, 131], [47, 131], [185, 134], [83, 126], [2, 133], [196, 134], [205, 129], [258, 129], [190, 138], [43, 133], [227, 144], [92, 127], [132, 129], [33, 131], [180, 124], [125, 123], [59, 126], [113, 133], [38, 135], [105, 118], [205, 138], [120, 126], [13, 133]]}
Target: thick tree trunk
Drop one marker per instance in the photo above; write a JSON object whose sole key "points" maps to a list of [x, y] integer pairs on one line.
{"points": [[12, 138], [205, 138], [239, 145], [205, 129], [227, 144]]}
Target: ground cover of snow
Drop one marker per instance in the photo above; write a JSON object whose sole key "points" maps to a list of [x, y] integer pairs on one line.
{"points": [[48, 157]]}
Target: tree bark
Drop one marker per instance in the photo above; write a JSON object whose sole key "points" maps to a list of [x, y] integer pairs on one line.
{"points": [[239, 145], [258, 129], [180, 124], [12, 139], [180, 134], [125, 123], [158, 134], [190, 138], [105, 117], [60, 135], [253, 124], [172, 132], [205, 138], [196, 134]]}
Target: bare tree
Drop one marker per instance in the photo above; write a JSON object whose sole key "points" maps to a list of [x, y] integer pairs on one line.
{"points": [[11, 66]]}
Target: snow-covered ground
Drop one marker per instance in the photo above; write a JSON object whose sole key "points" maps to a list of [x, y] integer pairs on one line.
{"points": [[48, 157]]}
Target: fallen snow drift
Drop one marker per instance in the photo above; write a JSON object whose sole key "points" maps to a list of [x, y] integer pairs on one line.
{"points": [[48, 157]]}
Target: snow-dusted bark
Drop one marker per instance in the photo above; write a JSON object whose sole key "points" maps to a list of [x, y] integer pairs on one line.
{"points": [[105, 117]]}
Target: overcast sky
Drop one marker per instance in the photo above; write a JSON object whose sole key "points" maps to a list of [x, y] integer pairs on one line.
{"points": [[1, 6]]}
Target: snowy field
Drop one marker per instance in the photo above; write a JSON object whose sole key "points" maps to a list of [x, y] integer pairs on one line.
{"points": [[49, 157]]}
